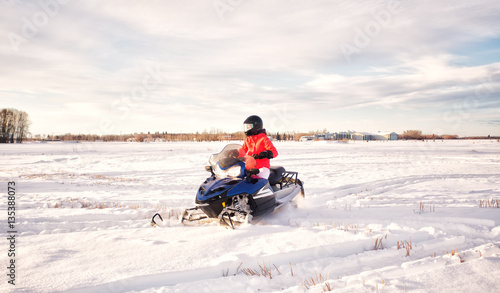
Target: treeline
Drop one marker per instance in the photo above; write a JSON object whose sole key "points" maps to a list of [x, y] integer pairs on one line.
{"points": [[214, 135], [219, 135], [417, 134], [14, 126]]}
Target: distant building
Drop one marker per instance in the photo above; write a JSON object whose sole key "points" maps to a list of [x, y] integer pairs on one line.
{"points": [[307, 138], [349, 134], [385, 136], [375, 136], [361, 136], [342, 135], [328, 136]]}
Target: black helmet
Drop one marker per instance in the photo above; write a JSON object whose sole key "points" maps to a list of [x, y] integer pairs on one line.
{"points": [[252, 125]]}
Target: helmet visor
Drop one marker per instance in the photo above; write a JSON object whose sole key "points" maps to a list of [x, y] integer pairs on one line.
{"points": [[247, 127]]}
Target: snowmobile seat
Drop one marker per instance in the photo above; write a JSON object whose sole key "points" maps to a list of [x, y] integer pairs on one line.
{"points": [[276, 174]]}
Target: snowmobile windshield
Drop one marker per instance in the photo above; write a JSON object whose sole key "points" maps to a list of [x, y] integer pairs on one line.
{"points": [[226, 163]]}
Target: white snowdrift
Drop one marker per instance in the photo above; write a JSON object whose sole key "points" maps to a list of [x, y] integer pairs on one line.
{"points": [[83, 220]]}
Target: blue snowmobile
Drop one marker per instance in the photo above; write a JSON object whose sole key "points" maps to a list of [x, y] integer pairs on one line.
{"points": [[233, 195]]}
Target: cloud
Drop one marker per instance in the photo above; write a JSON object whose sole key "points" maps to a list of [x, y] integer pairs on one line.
{"points": [[413, 83], [260, 57]]}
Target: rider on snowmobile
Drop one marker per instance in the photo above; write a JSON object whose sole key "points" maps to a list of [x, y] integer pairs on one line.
{"points": [[258, 145]]}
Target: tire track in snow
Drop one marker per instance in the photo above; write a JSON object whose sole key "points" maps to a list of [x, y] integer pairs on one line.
{"points": [[340, 255], [384, 185], [313, 254], [318, 196]]}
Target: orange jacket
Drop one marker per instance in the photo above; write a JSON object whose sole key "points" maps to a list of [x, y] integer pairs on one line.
{"points": [[256, 144]]}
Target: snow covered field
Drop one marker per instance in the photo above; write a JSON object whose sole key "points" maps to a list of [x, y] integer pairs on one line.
{"points": [[83, 220]]}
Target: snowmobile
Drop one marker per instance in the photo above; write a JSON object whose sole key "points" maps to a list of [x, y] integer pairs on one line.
{"points": [[233, 194]]}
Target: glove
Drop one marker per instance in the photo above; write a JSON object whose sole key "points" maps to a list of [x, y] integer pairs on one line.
{"points": [[264, 155], [233, 154]]}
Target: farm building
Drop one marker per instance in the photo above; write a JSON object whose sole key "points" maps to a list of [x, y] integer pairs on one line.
{"points": [[307, 138], [375, 136], [352, 135], [342, 135]]}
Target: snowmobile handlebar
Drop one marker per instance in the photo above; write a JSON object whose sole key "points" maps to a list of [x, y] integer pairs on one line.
{"points": [[253, 171]]}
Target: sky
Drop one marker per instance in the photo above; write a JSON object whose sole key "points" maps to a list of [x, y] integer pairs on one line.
{"points": [[111, 67]]}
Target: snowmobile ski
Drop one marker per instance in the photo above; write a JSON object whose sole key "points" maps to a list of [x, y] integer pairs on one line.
{"points": [[153, 222], [195, 216]]}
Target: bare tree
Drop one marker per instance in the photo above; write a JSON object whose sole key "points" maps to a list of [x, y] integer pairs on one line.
{"points": [[5, 125], [23, 124], [412, 134], [14, 125]]}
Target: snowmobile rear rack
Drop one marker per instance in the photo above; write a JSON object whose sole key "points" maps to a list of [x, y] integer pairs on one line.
{"points": [[288, 178]]}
